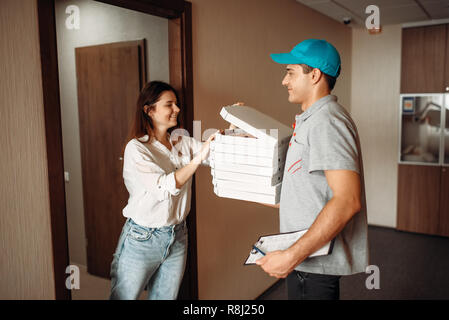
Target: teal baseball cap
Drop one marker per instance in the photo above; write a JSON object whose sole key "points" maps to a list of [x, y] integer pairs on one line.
{"points": [[316, 53]]}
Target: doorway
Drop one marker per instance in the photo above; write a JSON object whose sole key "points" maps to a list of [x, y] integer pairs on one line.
{"points": [[109, 77], [168, 49]]}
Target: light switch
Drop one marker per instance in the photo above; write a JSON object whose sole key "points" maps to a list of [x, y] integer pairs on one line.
{"points": [[66, 176]]}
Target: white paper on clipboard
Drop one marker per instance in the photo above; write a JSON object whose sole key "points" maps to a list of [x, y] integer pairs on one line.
{"points": [[282, 241]]}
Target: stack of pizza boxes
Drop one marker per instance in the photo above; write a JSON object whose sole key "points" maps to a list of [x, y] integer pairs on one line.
{"points": [[248, 163]]}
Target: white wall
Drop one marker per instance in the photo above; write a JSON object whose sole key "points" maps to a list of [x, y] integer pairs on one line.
{"points": [[375, 86], [99, 23]]}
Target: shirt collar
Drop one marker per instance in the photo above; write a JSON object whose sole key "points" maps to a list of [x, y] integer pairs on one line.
{"points": [[156, 143], [145, 138], [315, 107]]}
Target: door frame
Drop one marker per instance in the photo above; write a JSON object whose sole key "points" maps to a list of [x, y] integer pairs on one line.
{"points": [[179, 15]]}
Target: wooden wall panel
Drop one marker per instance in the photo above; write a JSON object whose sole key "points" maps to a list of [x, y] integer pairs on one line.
{"points": [[446, 62], [418, 198], [423, 58], [444, 203], [26, 268]]}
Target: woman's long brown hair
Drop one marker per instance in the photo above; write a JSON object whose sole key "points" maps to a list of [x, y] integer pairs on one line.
{"points": [[150, 94]]}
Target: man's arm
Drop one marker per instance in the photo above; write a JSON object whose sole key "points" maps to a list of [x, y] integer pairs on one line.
{"points": [[337, 212]]}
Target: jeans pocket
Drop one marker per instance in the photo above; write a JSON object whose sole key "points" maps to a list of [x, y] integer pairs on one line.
{"points": [[302, 275], [139, 233]]}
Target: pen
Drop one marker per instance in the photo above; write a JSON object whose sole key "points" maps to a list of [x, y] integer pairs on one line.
{"points": [[257, 249]]}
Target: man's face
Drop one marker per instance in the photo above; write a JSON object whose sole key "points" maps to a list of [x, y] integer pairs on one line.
{"points": [[299, 85]]}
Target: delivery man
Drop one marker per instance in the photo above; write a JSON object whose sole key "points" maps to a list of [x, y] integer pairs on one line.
{"points": [[323, 187]]}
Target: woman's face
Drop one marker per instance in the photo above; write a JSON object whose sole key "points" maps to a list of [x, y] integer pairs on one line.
{"points": [[165, 111]]}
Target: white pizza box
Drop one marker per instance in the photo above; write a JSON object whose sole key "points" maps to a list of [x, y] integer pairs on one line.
{"points": [[232, 158], [249, 187], [258, 129], [258, 145], [251, 150], [247, 178], [248, 169], [241, 138], [246, 196]]}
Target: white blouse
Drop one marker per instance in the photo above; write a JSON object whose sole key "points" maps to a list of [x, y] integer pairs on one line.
{"points": [[149, 175]]}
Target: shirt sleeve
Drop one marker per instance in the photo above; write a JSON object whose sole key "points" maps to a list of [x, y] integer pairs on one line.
{"points": [[333, 146], [151, 176]]}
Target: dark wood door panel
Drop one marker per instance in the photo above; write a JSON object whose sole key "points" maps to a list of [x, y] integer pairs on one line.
{"points": [[418, 198], [109, 79], [444, 203], [423, 59], [446, 73]]}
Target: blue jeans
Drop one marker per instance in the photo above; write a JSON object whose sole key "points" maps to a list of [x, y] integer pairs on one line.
{"points": [[149, 257]]}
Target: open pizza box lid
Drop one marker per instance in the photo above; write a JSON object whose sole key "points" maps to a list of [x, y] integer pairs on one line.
{"points": [[257, 124]]}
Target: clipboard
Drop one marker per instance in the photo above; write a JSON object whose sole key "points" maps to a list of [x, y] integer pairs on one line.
{"points": [[282, 241]]}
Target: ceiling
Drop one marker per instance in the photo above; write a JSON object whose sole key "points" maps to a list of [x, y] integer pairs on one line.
{"points": [[391, 11]]}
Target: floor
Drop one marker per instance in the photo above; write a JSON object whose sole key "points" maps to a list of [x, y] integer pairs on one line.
{"points": [[92, 287], [411, 266]]}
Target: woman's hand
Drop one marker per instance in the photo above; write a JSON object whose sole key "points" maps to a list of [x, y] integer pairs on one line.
{"points": [[206, 146], [183, 175]]}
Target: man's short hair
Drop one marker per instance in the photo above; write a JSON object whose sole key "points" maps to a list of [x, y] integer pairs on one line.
{"points": [[330, 80]]}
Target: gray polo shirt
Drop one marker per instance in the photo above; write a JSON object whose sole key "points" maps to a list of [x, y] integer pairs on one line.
{"points": [[324, 138]]}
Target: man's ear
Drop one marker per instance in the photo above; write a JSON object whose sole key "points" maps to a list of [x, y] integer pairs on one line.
{"points": [[316, 75]]}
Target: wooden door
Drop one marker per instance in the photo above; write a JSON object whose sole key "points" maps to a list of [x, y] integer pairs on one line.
{"points": [[418, 198], [446, 74], [110, 77], [444, 203], [423, 59]]}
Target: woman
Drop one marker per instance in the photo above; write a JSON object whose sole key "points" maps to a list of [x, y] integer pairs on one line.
{"points": [[152, 248]]}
